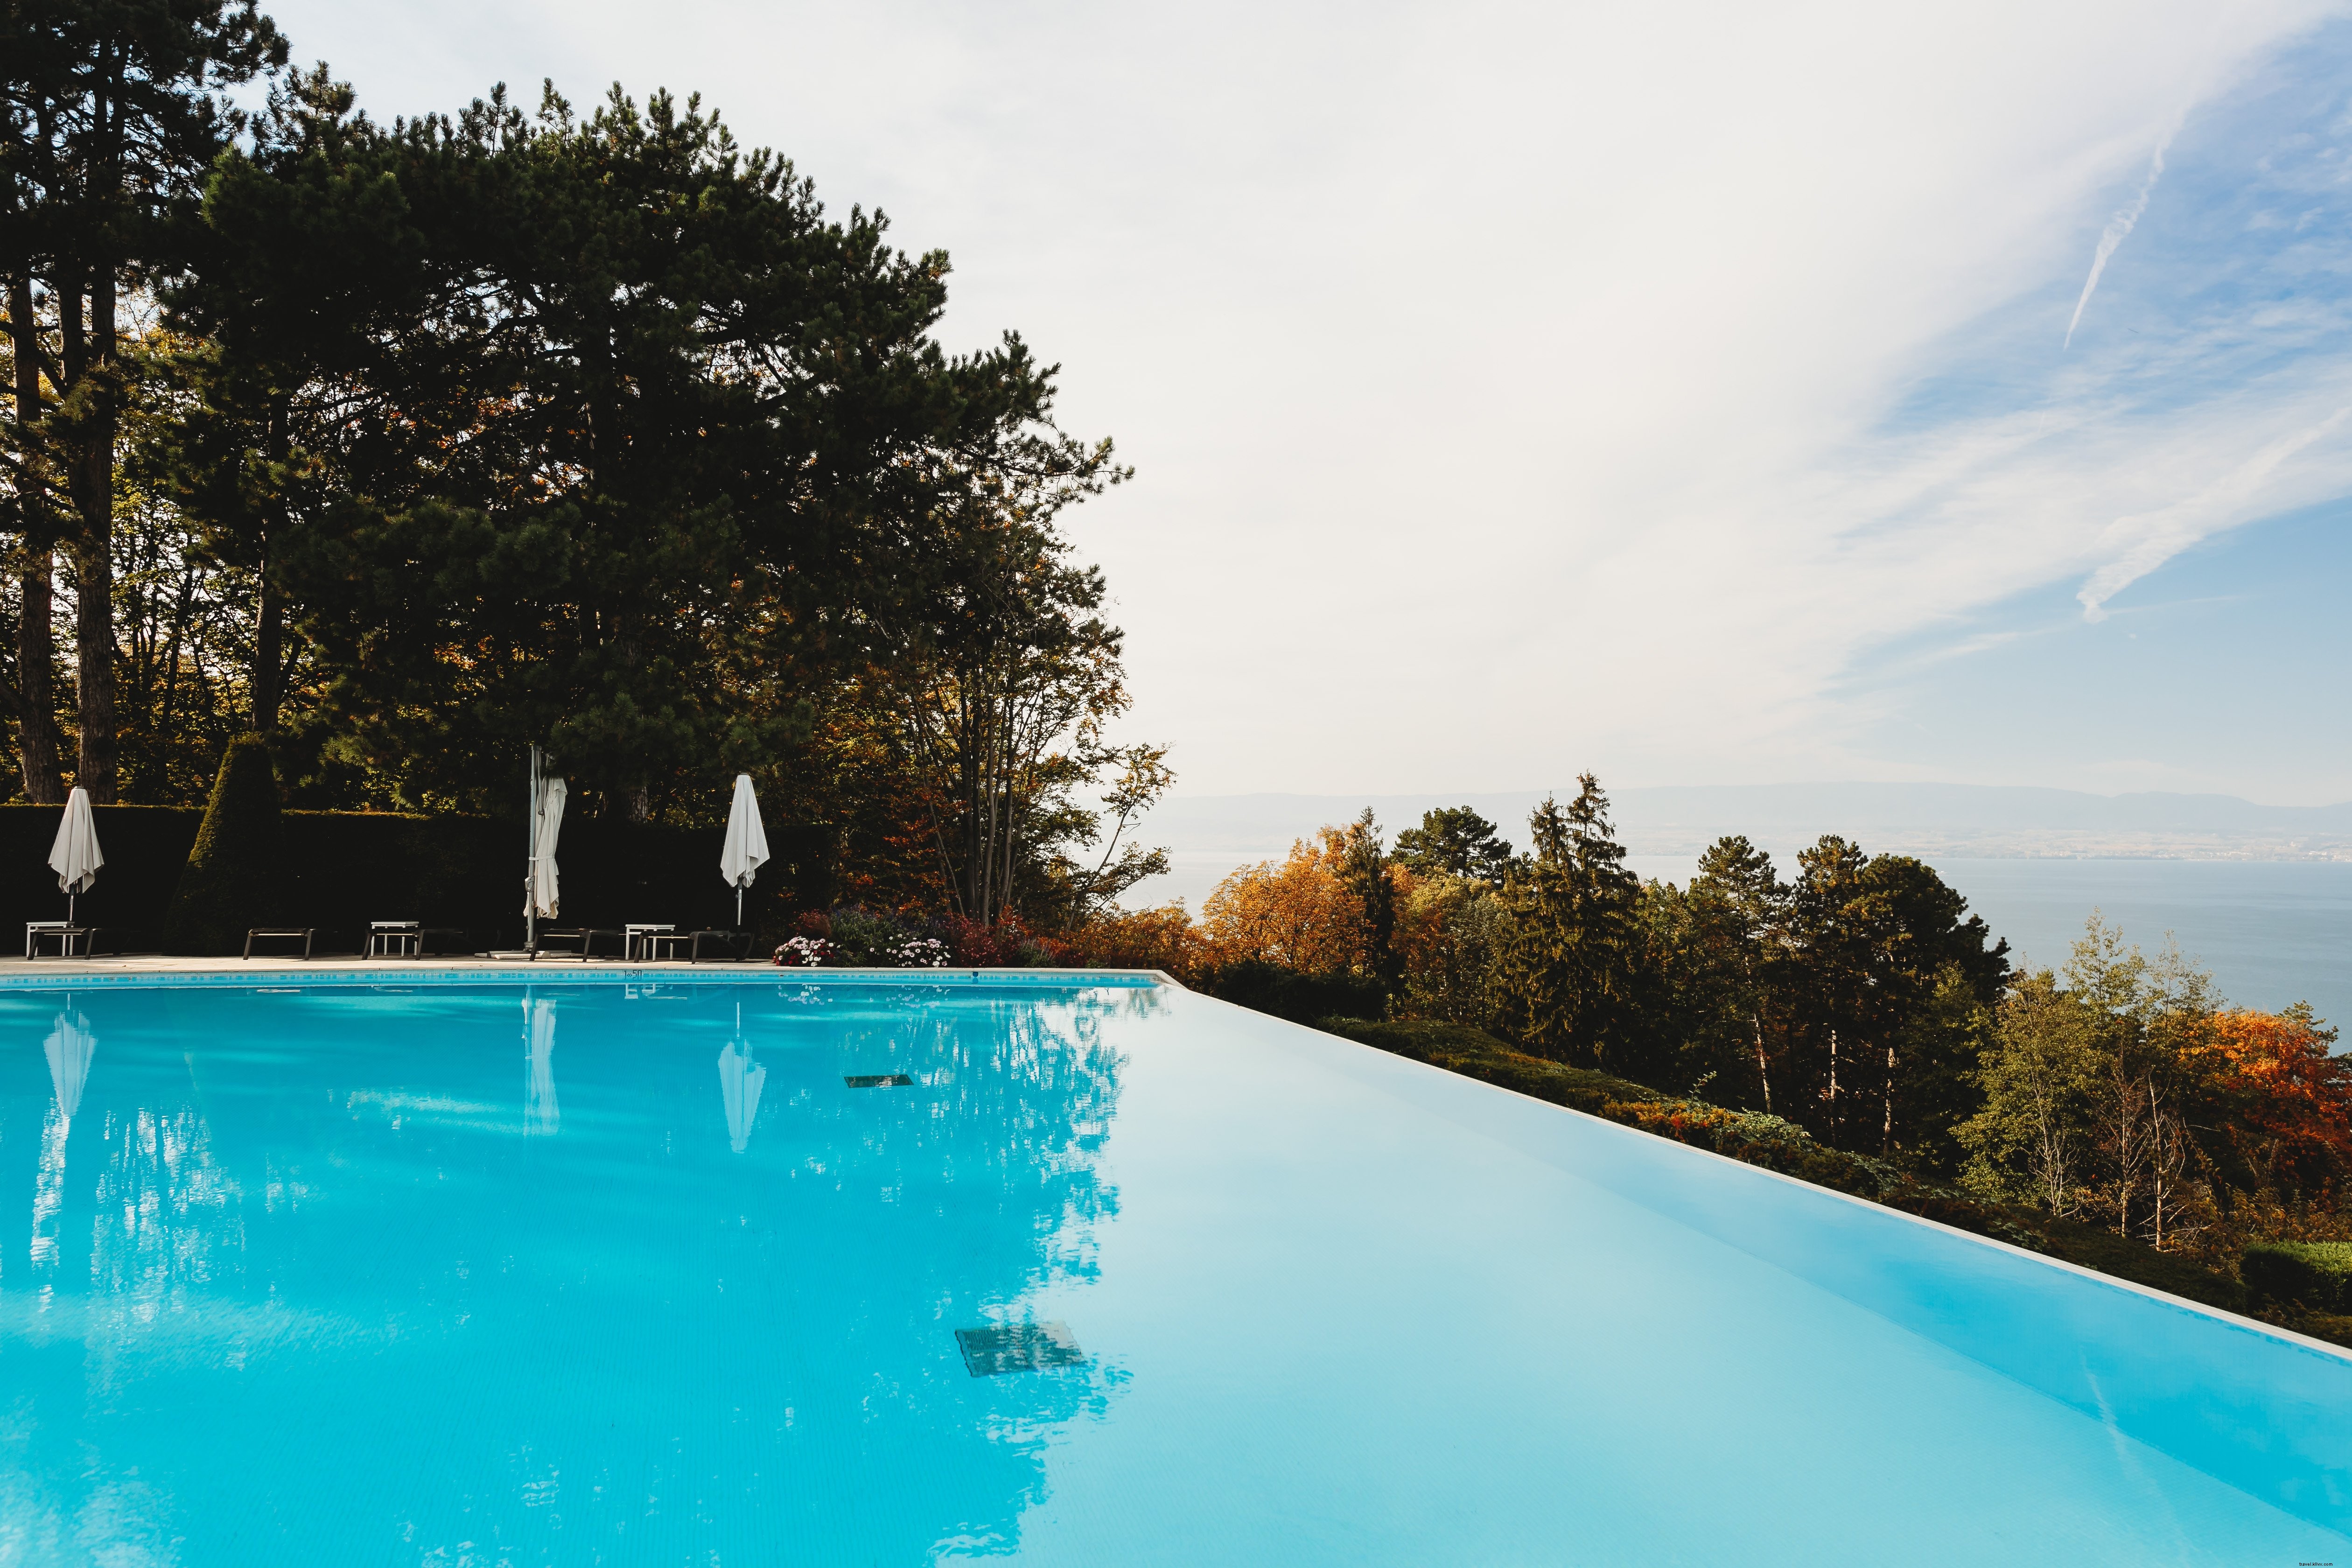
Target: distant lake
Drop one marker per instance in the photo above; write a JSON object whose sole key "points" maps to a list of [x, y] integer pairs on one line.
{"points": [[2272, 931]]}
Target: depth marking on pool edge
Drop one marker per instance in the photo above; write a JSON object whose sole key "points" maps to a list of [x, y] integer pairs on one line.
{"points": [[876, 1079], [1018, 1347]]}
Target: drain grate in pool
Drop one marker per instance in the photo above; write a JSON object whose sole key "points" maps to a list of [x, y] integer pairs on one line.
{"points": [[1017, 1347], [876, 1079]]}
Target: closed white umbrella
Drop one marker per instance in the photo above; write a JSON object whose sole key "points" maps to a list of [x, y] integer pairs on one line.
{"points": [[539, 1113], [739, 1081], [70, 1047], [75, 856], [547, 824], [747, 842]]}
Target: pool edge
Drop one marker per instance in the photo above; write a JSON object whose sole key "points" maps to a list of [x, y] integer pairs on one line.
{"points": [[2221, 1314]]}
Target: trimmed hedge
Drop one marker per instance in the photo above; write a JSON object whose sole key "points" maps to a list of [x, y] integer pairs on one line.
{"points": [[233, 877], [2315, 1276], [1756, 1138], [341, 869]]}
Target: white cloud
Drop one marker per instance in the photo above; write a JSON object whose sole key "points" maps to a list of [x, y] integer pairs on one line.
{"points": [[2139, 545], [1509, 384]]}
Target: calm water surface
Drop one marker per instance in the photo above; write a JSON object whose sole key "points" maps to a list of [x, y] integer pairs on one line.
{"points": [[597, 1273]]}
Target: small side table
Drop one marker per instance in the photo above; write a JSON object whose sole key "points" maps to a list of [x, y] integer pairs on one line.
{"points": [[638, 941], [66, 932]]}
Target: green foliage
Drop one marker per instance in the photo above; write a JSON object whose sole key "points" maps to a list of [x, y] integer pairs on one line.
{"points": [[1452, 979], [1853, 1000], [2092, 1088], [235, 874], [113, 114], [1571, 969], [1454, 841], [2315, 1276], [611, 406], [1363, 867], [471, 432], [1289, 994], [1720, 963], [867, 937]]}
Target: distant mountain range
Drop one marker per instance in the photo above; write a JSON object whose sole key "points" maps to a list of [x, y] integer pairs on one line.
{"points": [[1975, 820]]}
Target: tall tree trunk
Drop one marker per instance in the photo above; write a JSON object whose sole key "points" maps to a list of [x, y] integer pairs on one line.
{"points": [[93, 544], [1887, 1136], [268, 676], [37, 741], [268, 672], [1833, 1086]]}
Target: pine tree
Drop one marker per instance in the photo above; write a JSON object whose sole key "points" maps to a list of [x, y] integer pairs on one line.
{"points": [[1571, 973]]}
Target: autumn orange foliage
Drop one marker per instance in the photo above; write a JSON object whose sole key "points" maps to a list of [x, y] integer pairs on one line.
{"points": [[1298, 913], [1163, 939], [2291, 1098]]}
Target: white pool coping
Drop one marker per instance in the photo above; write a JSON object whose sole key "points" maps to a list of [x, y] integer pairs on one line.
{"points": [[55, 973]]}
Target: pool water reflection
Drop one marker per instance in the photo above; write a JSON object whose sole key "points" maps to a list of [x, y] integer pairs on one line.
{"points": [[314, 1278], [704, 1274]]}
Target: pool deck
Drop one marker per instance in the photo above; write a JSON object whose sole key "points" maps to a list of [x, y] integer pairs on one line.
{"points": [[129, 967], [496, 962]]}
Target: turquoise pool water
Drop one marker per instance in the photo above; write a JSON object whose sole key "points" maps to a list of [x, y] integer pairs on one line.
{"points": [[608, 1273]]}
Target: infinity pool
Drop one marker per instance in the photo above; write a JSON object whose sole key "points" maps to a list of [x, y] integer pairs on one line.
{"points": [[755, 1271]]}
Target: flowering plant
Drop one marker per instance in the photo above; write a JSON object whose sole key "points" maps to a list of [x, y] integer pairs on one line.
{"points": [[806, 952], [920, 953]]}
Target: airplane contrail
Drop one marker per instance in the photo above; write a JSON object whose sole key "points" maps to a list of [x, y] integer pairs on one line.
{"points": [[2118, 226]]}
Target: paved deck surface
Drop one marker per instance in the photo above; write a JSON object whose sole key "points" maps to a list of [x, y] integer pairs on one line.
{"points": [[158, 964]]}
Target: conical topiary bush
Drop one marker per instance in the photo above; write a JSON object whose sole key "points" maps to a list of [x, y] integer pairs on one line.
{"points": [[235, 876]]}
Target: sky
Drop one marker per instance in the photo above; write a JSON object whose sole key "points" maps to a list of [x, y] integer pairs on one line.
{"points": [[1696, 394]]}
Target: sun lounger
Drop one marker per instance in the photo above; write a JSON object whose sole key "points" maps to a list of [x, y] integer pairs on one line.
{"points": [[286, 932], [733, 947], [585, 936], [64, 933]]}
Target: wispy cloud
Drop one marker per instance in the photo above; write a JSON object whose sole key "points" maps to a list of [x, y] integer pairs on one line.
{"points": [[1517, 388], [2119, 228], [2139, 544]]}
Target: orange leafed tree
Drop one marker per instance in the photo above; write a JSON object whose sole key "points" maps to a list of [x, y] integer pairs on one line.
{"points": [[2291, 1099], [1299, 913], [1161, 938]]}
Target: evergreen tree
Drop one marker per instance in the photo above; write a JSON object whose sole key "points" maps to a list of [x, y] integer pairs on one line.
{"points": [[612, 405], [1572, 972], [235, 876], [1454, 841], [1870, 943], [1720, 953], [1364, 868]]}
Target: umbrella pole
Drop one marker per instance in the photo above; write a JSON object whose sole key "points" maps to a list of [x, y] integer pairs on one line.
{"points": [[739, 906], [530, 861]]}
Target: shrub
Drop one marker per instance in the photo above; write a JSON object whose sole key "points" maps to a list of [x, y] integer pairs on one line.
{"points": [[977, 945], [1161, 939], [862, 937], [2313, 1275], [234, 878], [1289, 994]]}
